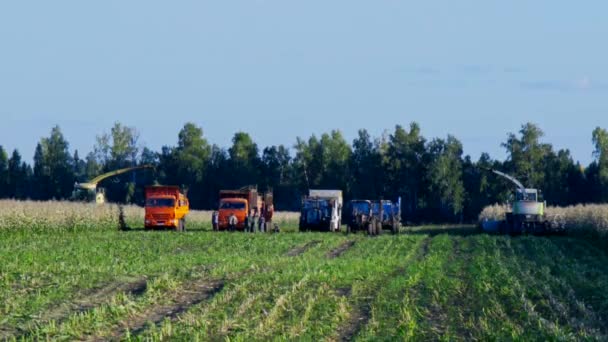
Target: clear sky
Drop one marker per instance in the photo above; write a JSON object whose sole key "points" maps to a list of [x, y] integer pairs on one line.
{"points": [[282, 69]]}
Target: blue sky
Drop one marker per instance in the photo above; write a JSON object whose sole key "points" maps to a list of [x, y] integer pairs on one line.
{"points": [[282, 69]]}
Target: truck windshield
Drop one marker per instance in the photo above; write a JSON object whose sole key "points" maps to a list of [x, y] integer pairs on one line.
{"points": [[160, 202], [315, 203], [232, 205], [525, 196]]}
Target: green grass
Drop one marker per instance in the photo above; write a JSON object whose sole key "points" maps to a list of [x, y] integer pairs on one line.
{"points": [[429, 283]]}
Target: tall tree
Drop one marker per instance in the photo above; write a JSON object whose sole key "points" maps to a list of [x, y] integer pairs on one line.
{"points": [[116, 150], [192, 158], [600, 142], [18, 177], [405, 168], [244, 160], [446, 189], [366, 169], [4, 182], [527, 155], [53, 167]]}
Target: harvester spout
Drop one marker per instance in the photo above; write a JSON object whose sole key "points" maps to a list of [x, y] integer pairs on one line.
{"points": [[510, 178]]}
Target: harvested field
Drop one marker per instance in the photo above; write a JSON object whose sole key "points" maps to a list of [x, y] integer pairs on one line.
{"points": [[428, 283]]}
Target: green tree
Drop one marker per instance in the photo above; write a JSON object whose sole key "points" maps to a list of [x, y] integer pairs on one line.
{"points": [[53, 167], [119, 148], [115, 150], [527, 155], [244, 160], [18, 177], [446, 189], [4, 182], [366, 168], [600, 142], [192, 154], [403, 164]]}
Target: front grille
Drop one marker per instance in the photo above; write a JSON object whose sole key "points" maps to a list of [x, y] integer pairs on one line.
{"points": [[161, 216]]}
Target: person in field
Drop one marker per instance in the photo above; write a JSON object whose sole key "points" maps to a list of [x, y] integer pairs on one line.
{"points": [[262, 224], [215, 220], [252, 221], [232, 221]]}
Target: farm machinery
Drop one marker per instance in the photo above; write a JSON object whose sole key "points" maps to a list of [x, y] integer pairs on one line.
{"points": [[166, 207], [321, 210], [243, 205], [527, 213], [91, 190], [374, 216]]}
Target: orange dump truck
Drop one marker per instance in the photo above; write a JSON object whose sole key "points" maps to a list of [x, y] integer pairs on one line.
{"points": [[166, 207], [242, 202]]}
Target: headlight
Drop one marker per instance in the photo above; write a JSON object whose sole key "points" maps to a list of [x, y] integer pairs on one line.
{"points": [[147, 221]]}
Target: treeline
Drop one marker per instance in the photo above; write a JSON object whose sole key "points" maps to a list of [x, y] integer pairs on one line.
{"points": [[433, 178]]}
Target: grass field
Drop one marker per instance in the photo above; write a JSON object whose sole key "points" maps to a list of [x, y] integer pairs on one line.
{"points": [[448, 283]]}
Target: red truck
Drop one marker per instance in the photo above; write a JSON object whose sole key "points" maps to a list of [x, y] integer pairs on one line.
{"points": [[166, 207], [242, 202]]}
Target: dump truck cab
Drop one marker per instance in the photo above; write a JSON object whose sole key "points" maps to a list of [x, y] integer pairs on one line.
{"points": [[243, 202], [238, 207], [166, 207]]}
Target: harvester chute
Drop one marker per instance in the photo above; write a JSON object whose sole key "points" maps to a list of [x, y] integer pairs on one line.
{"points": [[91, 187]]}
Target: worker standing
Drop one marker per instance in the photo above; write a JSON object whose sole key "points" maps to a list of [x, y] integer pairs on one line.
{"points": [[232, 221], [252, 221], [262, 224], [215, 220]]}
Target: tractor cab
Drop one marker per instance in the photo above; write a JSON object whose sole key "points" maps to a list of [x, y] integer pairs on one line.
{"points": [[527, 195]]}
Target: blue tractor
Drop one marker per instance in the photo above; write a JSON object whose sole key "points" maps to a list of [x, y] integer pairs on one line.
{"points": [[374, 216]]}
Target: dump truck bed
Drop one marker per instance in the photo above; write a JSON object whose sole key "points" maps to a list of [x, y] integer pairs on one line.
{"points": [[162, 190]]}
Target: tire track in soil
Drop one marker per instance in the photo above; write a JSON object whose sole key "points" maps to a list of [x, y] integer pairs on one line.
{"points": [[301, 249], [362, 312], [570, 309], [336, 252], [87, 301], [188, 295]]}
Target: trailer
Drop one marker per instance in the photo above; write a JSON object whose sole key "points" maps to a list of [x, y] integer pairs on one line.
{"points": [[321, 210], [374, 216]]}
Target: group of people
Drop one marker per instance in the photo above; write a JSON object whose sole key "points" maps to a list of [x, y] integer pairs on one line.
{"points": [[251, 221]]}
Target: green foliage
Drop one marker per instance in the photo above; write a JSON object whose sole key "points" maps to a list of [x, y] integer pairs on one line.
{"points": [[600, 141], [53, 167], [446, 187], [527, 154], [433, 178]]}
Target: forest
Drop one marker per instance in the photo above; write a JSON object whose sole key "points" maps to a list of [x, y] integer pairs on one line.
{"points": [[436, 181]]}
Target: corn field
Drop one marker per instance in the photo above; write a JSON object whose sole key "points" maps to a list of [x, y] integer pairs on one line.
{"points": [[71, 216], [579, 219]]}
